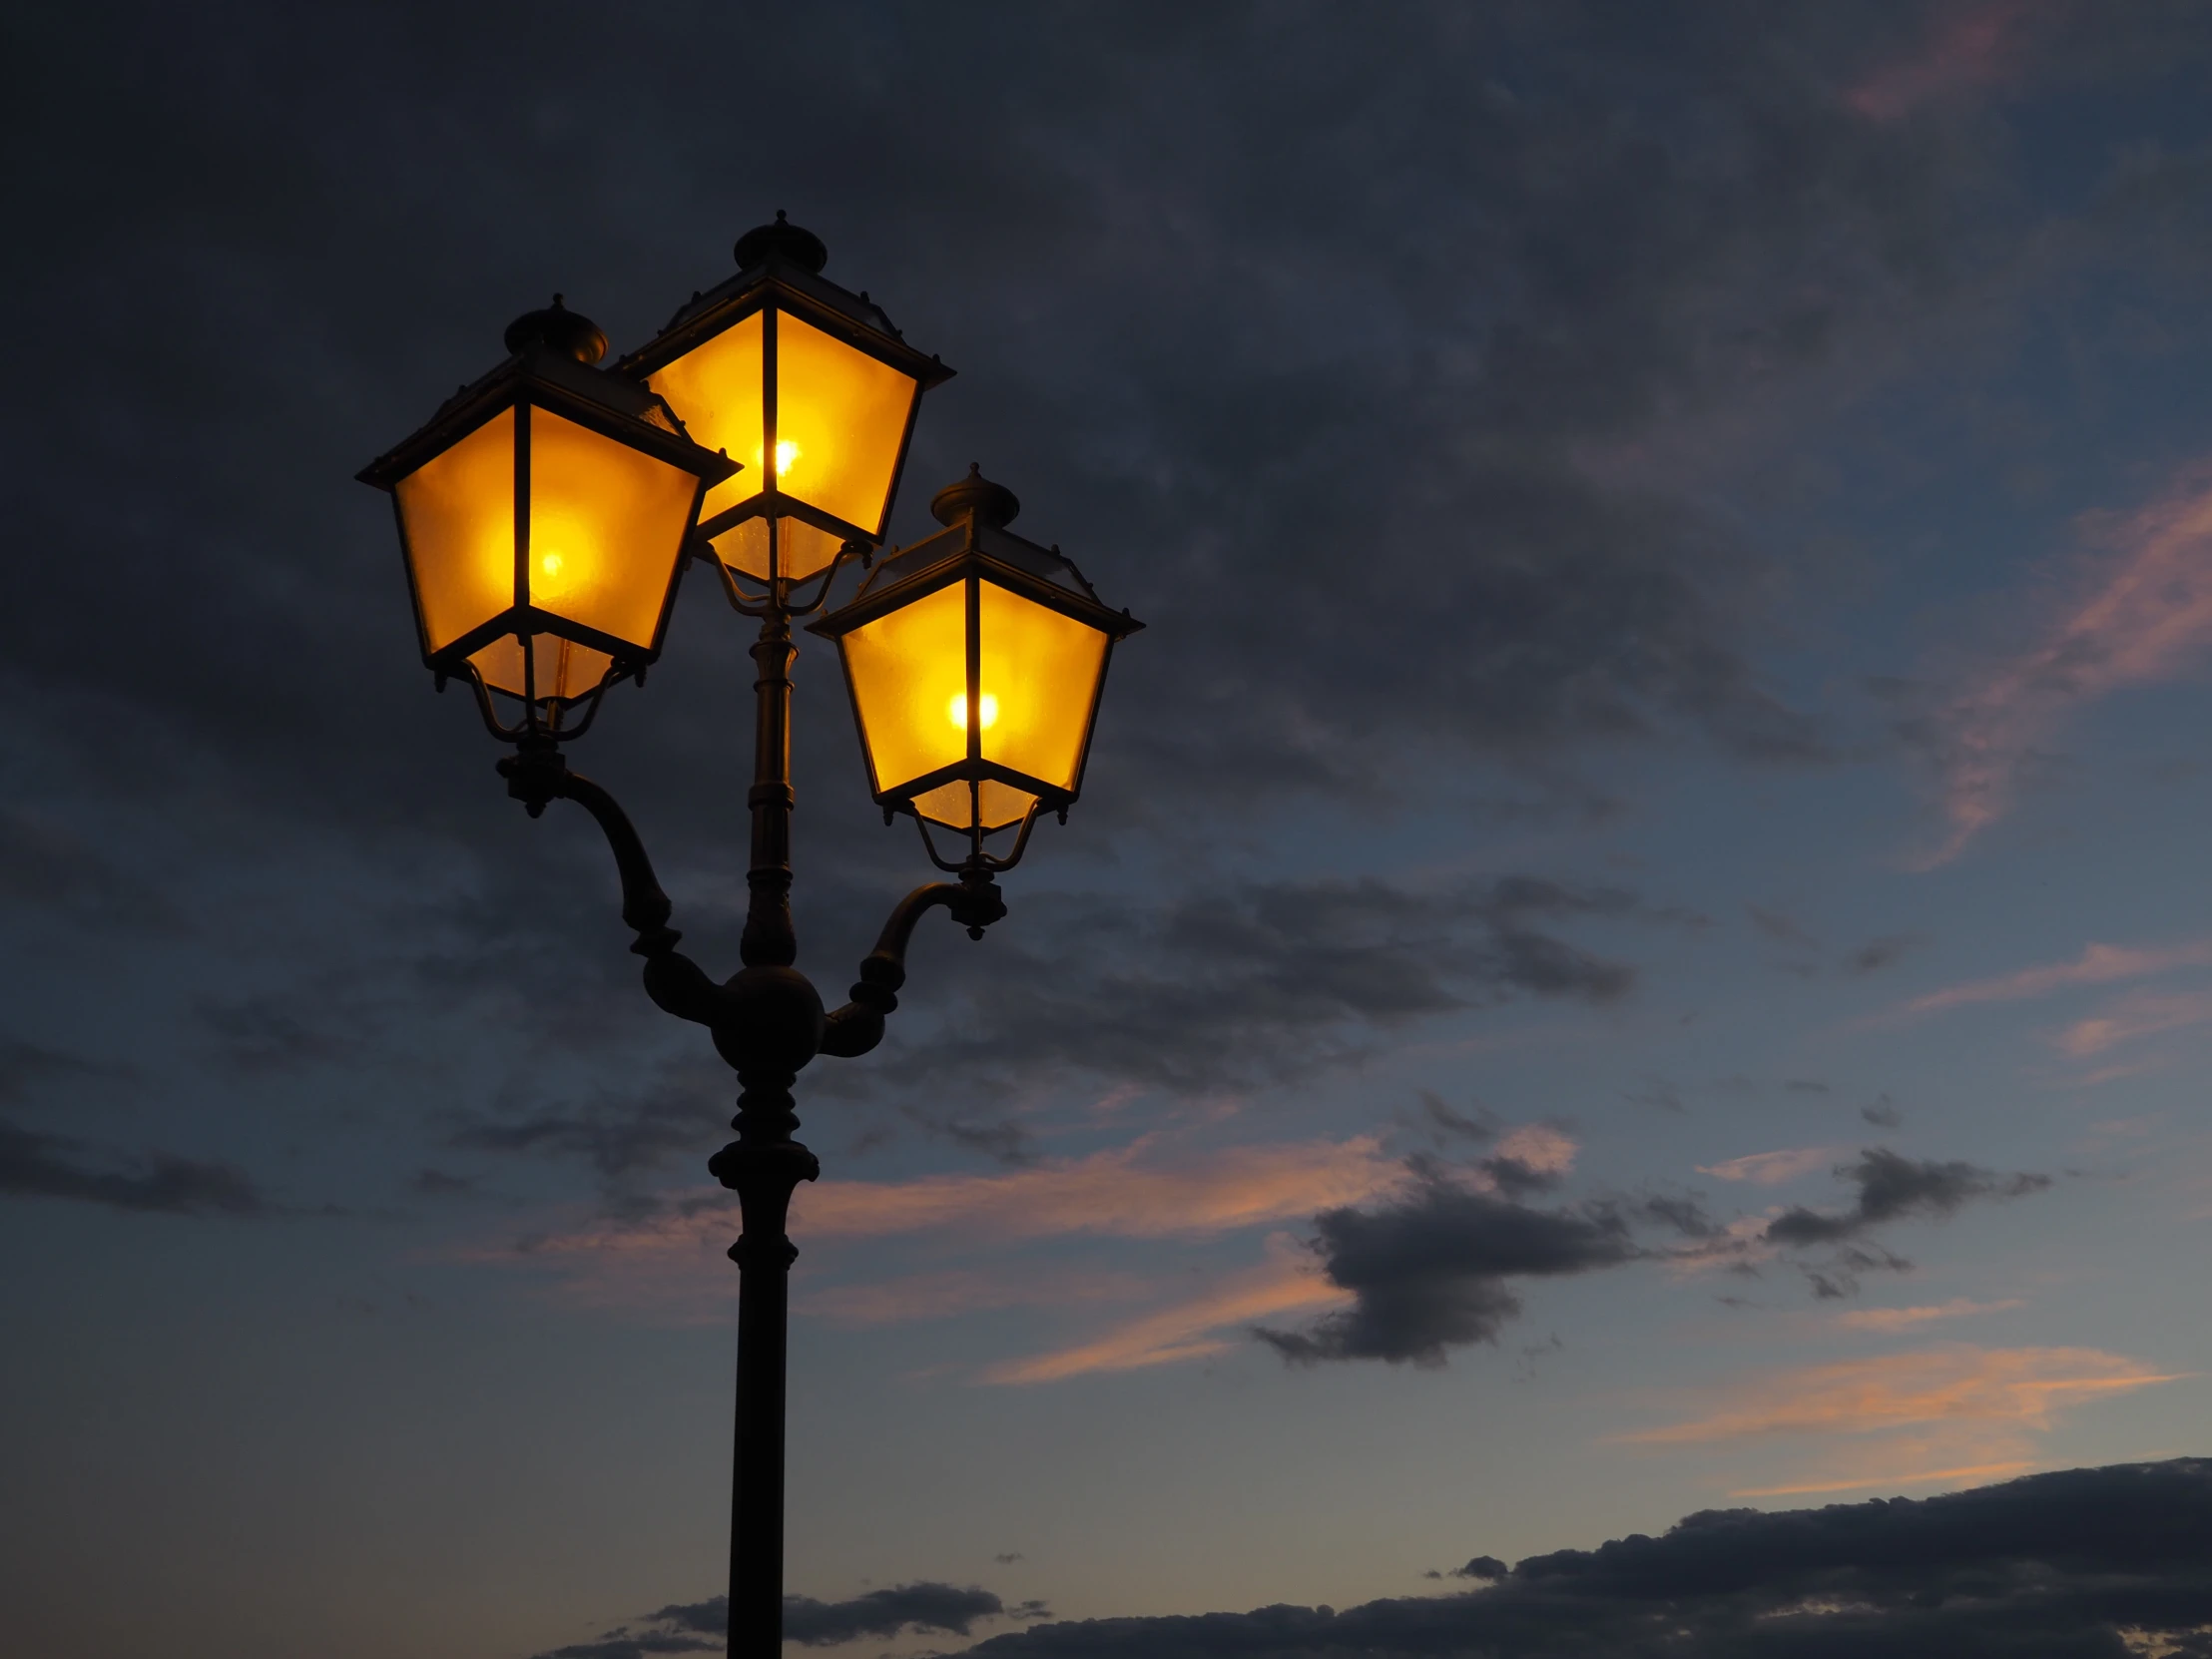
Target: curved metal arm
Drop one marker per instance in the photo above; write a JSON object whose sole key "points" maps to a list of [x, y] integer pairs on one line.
{"points": [[976, 902], [537, 774]]}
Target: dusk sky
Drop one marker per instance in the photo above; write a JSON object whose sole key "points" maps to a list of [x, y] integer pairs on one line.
{"points": [[1637, 943]]}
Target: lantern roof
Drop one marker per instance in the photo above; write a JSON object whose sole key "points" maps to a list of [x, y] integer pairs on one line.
{"points": [[552, 353], [782, 264], [974, 512]]}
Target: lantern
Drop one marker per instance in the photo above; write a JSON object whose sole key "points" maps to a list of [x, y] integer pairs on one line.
{"points": [[974, 660], [806, 385], [543, 513]]}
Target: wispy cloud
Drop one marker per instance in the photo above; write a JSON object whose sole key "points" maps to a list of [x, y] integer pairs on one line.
{"points": [[1971, 48], [1945, 1414], [2139, 1014], [2098, 964], [670, 1260], [1909, 1318], [2141, 614], [1206, 1325], [1131, 1191], [1772, 1169]]}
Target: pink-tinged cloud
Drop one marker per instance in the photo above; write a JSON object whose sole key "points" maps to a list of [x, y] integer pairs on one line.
{"points": [[1943, 1417], [2011, 1387], [2140, 615], [1974, 1474], [1140, 1191], [2139, 1014], [1971, 47], [1540, 1147], [672, 1262], [1910, 1319], [1204, 1325], [1771, 1168], [2098, 964]]}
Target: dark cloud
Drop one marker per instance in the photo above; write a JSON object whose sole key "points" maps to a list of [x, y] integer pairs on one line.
{"points": [[620, 1131], [1655, 1091], [1255, 980], [923, 1607], [2086, 1564], [1780, 927], [1429, 1270], [1006, 1142], [26, 1067], [1882, 1114], [33, 1164], [1894, 1188], [436, 1183], [1877, 955]]}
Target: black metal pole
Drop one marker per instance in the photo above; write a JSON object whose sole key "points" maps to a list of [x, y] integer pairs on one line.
{"points": [[774, 1027]]}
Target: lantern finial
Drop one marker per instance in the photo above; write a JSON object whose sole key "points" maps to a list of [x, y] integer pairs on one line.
{"points": [[994, 505], [558, 329], [784, 241]]}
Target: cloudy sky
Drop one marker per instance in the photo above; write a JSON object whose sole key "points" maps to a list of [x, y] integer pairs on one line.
{"points": [[1639, 943]]}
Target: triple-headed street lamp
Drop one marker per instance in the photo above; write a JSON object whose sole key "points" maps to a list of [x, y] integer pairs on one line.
{"points": [[547, 513]]}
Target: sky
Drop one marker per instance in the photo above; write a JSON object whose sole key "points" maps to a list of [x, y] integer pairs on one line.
{"points": [[1607, 1064]]}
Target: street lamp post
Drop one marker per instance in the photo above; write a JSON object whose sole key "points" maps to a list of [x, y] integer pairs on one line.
{"points": [[546, 514]]}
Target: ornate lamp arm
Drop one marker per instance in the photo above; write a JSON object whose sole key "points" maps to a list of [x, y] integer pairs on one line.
{"points": [[537, 774], [976, 902]]}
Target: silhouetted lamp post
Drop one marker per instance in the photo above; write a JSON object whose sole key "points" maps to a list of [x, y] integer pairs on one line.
{"points": [[546, 514]]}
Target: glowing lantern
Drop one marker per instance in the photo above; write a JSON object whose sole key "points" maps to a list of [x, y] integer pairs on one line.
{"points": [[808, 386], [975, 660], [544, 513]]}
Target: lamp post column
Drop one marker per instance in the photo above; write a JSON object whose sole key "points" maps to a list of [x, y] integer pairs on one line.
{"points": [[772, 1027]]}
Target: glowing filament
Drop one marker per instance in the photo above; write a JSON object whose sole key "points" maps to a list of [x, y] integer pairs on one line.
{"points": [[550, 564], [986, 707], [785, 454]]}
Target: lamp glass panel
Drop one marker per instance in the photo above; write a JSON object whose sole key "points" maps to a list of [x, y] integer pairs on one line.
{"points": [[458, 509], [952, 806], [840, 417], [908, 671], [607, 525], [803, 550], [1041, 674], [564, 668], [716, 389]]}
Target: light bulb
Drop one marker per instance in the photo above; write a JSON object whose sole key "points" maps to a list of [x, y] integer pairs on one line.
{"points": [[986, 707], [785, 454], [550, 564]]}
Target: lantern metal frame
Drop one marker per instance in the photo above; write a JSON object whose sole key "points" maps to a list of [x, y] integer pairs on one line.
{"points": [[976, 547], [780, 273], [550, 368], [767, 1020]]}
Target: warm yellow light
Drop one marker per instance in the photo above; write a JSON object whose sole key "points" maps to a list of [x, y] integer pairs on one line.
{"points": [[550, 564], [785, 454], [459, 509], [986, 707]]}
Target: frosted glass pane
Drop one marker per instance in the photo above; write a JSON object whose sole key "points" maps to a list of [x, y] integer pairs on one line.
{"points": [[1040, 672], [840, 418], [716, 389], [806, 551], [951, 806], [607, 525], [458, 509], [564, 668], [909, 677]]}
